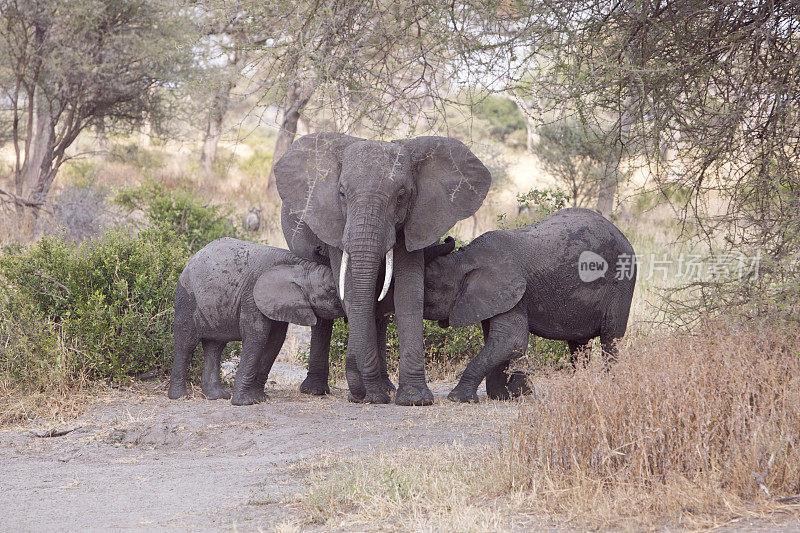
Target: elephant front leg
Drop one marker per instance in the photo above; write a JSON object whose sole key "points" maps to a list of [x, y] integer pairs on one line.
{"points": [[409, 300], [247, 389], [277, 336], [316, 382], [507, 339]]}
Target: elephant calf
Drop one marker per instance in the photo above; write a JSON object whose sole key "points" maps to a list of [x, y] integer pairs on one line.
{"points": [[236, 290], [568, 277]]}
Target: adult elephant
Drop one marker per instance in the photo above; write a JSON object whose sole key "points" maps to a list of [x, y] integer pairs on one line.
{"points": [[362, 201]]}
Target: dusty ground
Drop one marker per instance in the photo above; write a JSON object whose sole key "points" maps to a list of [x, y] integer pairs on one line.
{"points": [[141, 461]]}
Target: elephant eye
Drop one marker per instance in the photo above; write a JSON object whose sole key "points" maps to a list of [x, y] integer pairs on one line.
{"points": [[341, 194], [401, 194]]}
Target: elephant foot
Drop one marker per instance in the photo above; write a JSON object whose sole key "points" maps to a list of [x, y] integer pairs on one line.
{"points": [[414, 395], [379, 396], [354, 398], [518, 384], [462, 395], [249, 397], [177, 390], [216, 392], [387, 385], [501, 394], [315, 386]]}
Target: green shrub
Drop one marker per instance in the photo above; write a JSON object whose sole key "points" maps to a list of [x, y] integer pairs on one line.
{"points": [[135, 155], [111, 298], [81, 172], [538, 204], [180, 211], [502, 115], [102, 309], [257, 164], [445, 349]]}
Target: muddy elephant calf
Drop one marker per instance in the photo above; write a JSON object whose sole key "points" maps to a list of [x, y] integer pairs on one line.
{"points": [[568, 277], [236, 290]]}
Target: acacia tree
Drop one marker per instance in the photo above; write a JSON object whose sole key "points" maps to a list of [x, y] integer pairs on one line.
{"points": [[356, 65], [69, 64], [708, 93], [224, 54], [572, 154]]}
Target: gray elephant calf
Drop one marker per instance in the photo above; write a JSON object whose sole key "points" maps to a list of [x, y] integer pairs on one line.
{"points": [[236, 290], [569, 277]]}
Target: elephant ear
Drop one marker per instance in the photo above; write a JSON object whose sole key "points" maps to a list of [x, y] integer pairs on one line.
{"points": [[279, 295], [451, 185], [307, 178], [492, 285]]}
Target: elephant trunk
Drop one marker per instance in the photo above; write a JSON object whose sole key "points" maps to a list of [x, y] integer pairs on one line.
{"points": [[367, 238], [364, 264], [387, 278]]}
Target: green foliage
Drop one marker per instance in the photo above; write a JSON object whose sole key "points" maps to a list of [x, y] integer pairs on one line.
{"points": [[102, 309], [574, 155], [111, 298], [81, 172], [547, 352], [258, 163], [444, 348], [534, 205], [136, 156], [180, 211], [502, 115], [675, 194]]}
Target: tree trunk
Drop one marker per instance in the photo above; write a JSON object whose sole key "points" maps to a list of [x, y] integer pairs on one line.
{"points": [[147, 131], [37, 174], [531, 137], [100, 140], [216, 117], [298, 96], [607, 189]]}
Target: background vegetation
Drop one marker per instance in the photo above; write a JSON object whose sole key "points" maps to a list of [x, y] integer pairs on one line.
{"points": [[134, 132]]}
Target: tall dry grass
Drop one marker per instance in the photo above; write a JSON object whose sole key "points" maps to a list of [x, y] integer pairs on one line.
{"points": [[439, 488], [691, 429]]}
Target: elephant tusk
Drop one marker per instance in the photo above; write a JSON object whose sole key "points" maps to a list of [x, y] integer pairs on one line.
{"points": [[387, 279], [342, 271]]}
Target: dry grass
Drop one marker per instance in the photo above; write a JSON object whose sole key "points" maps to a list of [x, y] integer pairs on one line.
{"points": [[444, 488], [687, 430], [51, 405], [38, 381], [694, 430]]}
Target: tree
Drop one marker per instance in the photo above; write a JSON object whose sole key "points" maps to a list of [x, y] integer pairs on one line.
{"points": [[705, 94], [357, 65], [69, 64], [225, 42], [572, 154], [502, 115]]}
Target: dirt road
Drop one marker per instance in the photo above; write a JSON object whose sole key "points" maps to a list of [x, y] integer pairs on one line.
{"points": [[141, 461]]}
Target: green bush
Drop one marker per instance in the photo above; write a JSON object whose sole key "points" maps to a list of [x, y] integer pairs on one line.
{"points": [[538, 203], [111, 297], [255, 165], [102, 309], [445, 349], [180, 211], [502, 115], [135, 155]]}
